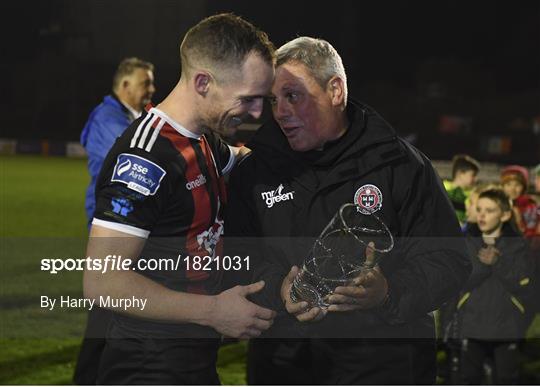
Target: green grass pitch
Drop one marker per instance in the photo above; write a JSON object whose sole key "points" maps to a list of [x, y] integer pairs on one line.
{"points": [[42, 215]]}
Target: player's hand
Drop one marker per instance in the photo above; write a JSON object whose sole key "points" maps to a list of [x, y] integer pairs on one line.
{"points": [[235, 316], [300, 310], [488, 255], [366, 291]]}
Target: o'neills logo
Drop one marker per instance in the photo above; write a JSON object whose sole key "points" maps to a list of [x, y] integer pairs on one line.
{"points": [[200, 180], [275, 196]]}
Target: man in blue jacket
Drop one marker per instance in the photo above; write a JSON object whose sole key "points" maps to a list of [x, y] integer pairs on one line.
{"points": [[132, 90]]}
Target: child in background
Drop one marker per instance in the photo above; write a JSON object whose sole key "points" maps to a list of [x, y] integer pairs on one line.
{"points": [[464, 172], [490, 310], [514, 180], [470, 204]]}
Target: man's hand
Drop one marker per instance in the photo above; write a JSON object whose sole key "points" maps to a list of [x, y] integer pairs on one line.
{"points": [[488, 255], [300, 310], [235, 316], [366, 291]]}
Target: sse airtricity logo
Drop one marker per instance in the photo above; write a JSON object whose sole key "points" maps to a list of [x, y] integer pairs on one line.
{"points": [[368, 198], [124, 167], [138, 173], [276, 196]]}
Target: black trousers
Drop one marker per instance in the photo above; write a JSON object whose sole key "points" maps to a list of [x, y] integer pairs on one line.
{"points": [[92, 346], [128, 359], [504, 356], [341, 361]]}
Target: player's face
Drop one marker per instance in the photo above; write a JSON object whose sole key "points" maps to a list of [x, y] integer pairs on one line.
{"points": [[140, 88], [490, 216], [513, 189], [235, 101], [302, 108]]}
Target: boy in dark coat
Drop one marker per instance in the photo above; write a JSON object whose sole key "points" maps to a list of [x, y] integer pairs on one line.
{"points": [[490, 310]]}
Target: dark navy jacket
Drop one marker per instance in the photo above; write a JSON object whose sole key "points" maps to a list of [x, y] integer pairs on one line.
{"points": [[427, 267], [491, 306]]}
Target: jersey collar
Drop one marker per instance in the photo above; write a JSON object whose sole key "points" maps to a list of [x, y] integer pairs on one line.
{"points": [[178, 127]]}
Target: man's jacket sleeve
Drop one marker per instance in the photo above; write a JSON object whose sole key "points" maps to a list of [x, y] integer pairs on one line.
{"points": [[432, 262]]}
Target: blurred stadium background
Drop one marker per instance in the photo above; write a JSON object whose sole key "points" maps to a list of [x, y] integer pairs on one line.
{"points": [[450, 76]]}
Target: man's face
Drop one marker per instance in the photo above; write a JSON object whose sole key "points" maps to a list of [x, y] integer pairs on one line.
{"points": [[139, 88], [513, 189], [231, 103], [489, 215], [302, 108]]}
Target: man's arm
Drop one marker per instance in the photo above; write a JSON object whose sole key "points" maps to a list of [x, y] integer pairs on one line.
{"points": [[431, 263], [436, 263], [229, 312]]}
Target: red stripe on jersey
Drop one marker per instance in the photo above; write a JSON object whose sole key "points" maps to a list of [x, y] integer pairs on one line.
{"points": [[218, 186], [211, 167], [156, 122], [201, 201]]}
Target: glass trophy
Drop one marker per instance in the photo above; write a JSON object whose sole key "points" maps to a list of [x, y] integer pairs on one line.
{"points": [[351, 244]]}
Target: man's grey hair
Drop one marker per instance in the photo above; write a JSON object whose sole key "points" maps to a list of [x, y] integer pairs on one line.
{"points": [[321, 59]]}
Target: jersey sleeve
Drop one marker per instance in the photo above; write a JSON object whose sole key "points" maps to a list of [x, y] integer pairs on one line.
{"points": [[223, 153], [131, 192]]}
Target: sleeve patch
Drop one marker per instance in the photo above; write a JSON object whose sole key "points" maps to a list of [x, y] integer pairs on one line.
{"points": [[139, 174]]}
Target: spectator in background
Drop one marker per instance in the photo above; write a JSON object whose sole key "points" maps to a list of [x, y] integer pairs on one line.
{"points": [[535, 244], [470, 204], [515, 180], [537, 181], [132, 90], [536, 195], [490, 308], [464, 172]]}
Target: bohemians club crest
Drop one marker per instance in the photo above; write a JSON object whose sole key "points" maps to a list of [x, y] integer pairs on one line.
{"points": [[368, 198]]}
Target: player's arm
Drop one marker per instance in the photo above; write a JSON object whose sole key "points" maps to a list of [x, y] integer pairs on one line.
{"points": [[228, 312]]}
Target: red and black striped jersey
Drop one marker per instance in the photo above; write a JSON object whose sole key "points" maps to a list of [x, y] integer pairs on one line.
{"points": [[165, 183]]}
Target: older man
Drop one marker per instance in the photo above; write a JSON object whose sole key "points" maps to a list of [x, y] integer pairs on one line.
{"points": [[132, 90], [159, 200], [322, 150]]}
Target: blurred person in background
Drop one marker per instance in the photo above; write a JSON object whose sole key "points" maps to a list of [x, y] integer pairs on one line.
{"points": [[448, 313], [132, 90], [470, 203], [464, 173], [515, 181], [490, 310]]}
